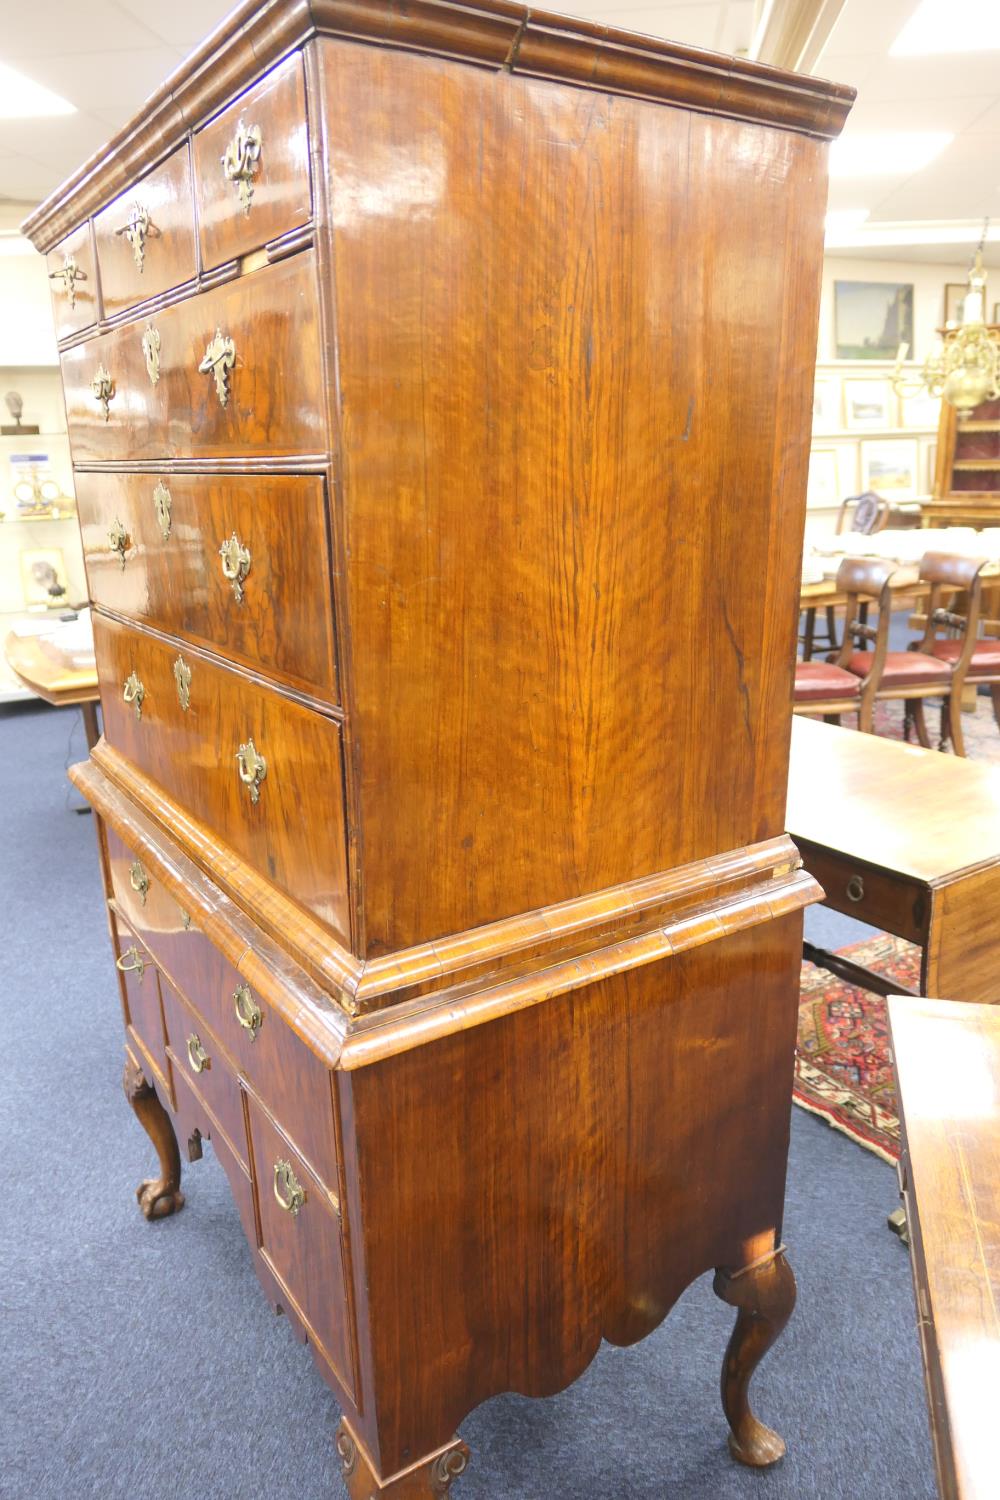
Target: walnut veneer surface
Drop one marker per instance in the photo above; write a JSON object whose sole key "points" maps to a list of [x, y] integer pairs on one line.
{"points": [[438, 381]]}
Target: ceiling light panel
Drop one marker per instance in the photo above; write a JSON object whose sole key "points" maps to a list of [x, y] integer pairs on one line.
{"points": [[23, 99], [942, 26], [886, 153]]}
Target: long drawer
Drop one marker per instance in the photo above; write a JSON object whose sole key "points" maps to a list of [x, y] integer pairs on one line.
{"points": [[231, 372], [241, 564], [264, 772]]}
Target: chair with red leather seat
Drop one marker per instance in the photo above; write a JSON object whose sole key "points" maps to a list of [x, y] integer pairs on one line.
{"points": [[827, 687], [976, 659]]}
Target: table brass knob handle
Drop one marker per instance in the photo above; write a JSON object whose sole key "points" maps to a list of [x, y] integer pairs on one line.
{"points": [[241, 160], [134, 692], [247, 1010], [855, 888], [139, 880], [135, 229], [197, 1056], [118, 540], [69, 275], [236, 561], [287, 1188], [218, 360], [252, 768], [131, 962], [103, 388]]}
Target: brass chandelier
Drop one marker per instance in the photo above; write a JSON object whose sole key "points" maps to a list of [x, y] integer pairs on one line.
{"points": [[964, 368]]}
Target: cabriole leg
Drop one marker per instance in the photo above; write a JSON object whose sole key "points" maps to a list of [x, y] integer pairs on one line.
{"points": [[428, 1479], [158, 1196], [764, 1296]]}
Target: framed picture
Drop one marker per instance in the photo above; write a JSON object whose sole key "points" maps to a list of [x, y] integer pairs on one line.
{"points": [[872, 318], [920, 411], [890, 468], [954, 296], [823, 490], [43, 577], [868, 404], [826, 403]]}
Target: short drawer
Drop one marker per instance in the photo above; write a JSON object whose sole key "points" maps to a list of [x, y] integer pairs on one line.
{"points": [[891, 902], [230, 372], [141, 996], [251, 167], [262, 770], [191, 1116], [238, 564], [145, 237], [197, 1054], [301, 1240], [72, 272]]}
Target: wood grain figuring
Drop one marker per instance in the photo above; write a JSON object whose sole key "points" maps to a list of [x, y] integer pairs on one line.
{"points": [[283, 626], [169, 248], [281, 198], [193, 756], [606, 474], [947, 1060], [75, 288], [274, 404]]}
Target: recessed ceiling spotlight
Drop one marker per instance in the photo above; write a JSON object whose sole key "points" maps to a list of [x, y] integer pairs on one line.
{"points": [[23, 99], [944, 26], [886, 153]]}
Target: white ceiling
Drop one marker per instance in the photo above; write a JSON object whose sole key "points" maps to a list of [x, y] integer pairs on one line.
{"points": [[106, 56]]}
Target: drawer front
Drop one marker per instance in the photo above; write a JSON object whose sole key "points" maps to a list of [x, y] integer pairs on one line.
{"points": [[141, 995], [73, 282], [197, 1055], [231, 372], [887, 901], [153, 551], [260, 769], [301, 1240], [251, 167], [145, 238]]}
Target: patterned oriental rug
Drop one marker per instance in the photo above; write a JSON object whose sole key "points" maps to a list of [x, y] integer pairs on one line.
{"points": [[843, 1065]]}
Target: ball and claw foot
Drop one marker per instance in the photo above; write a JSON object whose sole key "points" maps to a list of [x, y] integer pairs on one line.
{"points": [[764, 1296], [158, 1197]]}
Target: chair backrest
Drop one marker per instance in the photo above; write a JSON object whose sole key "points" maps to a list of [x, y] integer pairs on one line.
{"points": [[870, 513], [865, 580], [949, 573]]}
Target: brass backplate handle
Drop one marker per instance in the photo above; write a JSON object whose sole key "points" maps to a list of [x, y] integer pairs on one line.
{"points": [[247, 1010], [241, 160], [118, 540], [69, 274], [197, 1056], [131, 962], [135, 229], [287, 1188], [133, 692], [138, 880], [236, 561], [103, 388], [218, 360], [252, 768]]}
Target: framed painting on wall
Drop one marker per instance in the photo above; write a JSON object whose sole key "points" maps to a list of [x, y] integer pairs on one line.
{"points": [[826, 403], [869, 404], [872, 318], [890, 468], [823, 492], [954, 296], [920, 412]]}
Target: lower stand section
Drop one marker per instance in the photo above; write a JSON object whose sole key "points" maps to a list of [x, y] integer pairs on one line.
{"points": [[764, 1296], [426, 1480], [158, 1196]]}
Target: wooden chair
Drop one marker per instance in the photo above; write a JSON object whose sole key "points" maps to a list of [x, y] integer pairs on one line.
{"points": [[917, 674], [830, 688], [982, 662], [868, 513]]}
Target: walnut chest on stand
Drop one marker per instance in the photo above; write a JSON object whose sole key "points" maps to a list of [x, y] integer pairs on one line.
{"points": [[439, 382]]}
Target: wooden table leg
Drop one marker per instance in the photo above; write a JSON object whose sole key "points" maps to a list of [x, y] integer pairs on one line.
{"points": [[158, 1196], [764, 1296]]}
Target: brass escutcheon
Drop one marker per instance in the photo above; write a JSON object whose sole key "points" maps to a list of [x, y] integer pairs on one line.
{"points": [[139, 880], [161, 504], [69, 275], [252, 768], [134, 965], [219, 359], [235, 564], [287, 1188], [103, 388], [118, 540], [135, 229], [182, 677], [151, 352], [241, 160], [197, 1056], [247, 1010], [134, 692]]}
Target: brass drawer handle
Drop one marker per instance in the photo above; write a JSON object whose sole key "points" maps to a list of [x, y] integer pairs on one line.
{"points": [[197, 1056], [139, 880], [219, 358], [69, 275], [182, 677], [241, 160], [103, 388], [135, 229], [855, 888], [252, 767], [151, 352], [236, 561], [247, 1010], [134, 692], [119, 540], [136, 966], [287, 1188]]}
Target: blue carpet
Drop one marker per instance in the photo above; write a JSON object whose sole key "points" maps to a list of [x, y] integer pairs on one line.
{"points": [[141, 1360]]}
